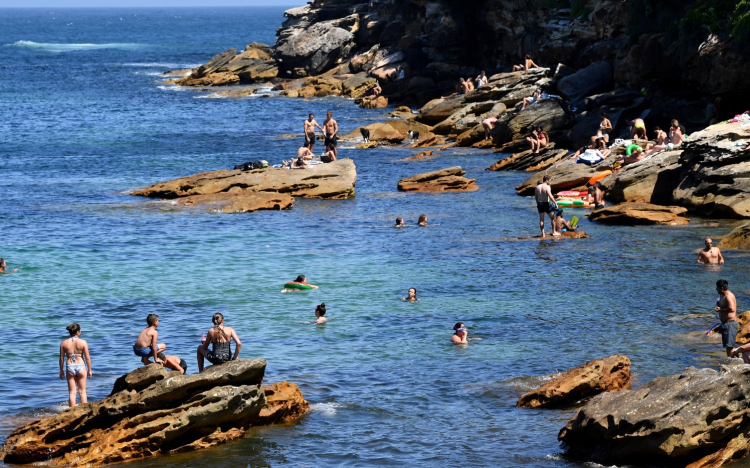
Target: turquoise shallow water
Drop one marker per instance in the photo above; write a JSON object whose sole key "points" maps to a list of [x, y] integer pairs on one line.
{"points": [[84, 119]]}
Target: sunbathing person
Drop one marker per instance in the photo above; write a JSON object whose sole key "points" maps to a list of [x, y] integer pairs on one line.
{"points": [[632, 156], [543, 138], [559, 223], [527, 101], [528, 64], [304, 153], [300, 163], [533, 140], [458, 90], [675, 135]]}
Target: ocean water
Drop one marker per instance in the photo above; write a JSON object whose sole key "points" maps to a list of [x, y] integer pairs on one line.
{"points": [[84, 118]]}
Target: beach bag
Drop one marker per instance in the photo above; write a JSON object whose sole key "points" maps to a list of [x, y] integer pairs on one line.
{"points": [[250, 165]]}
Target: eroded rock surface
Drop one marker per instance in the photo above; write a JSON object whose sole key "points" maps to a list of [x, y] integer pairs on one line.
{"points": [[600, 375], [698, 416], [737, 239], [634, 214], [335, 180], [445, 180]]}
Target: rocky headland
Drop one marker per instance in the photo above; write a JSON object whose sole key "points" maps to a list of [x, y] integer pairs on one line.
{"points": [[153, 412]]}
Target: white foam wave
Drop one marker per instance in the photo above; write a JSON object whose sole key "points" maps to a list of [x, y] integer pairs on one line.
{"points": [[326, 409], [174, 88], [171, 66], [51, 47]]}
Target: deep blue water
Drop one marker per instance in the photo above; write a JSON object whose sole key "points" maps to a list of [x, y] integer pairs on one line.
{"points": [[84, 118]]}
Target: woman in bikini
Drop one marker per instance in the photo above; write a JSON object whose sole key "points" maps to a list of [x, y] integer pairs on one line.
{"points": [[221, 336], [74, 353]]}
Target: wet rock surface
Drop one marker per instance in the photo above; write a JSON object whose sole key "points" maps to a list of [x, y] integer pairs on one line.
{"points": [[585, 381], [445, 180]]}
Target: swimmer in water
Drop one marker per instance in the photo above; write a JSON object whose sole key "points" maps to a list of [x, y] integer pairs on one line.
{"points": [[422, 221], [399, 222], [711, 254], [74, 354], [320, 312], [461, 335], [411, 295], [3, 266], [302, 279]]}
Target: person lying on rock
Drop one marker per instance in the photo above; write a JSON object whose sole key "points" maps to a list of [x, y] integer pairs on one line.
{"points": [[527, 101], [559, 223], [711, 254], [174, 363], [300, 163], [220, 336], [460, 333], [146, 345], [528, 64], [320, 312], [726, 308]]}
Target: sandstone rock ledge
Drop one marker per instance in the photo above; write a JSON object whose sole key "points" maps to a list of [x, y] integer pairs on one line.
{"points": [[597, 376], [445, 180], [152, 412], [697, 418], [334, 180], [639, 214]]}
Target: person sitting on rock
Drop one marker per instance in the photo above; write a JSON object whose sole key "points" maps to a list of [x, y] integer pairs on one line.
{"points": [[527, 101], [711, 254], [320, 311], [221, 336], [376, 90], [146, 345], [422, 221], [488, 124], [330, 155], [481, 79], [533, 140], [460, 333], [300, 163], [400, 73], [559, 223], [543, 138], [527, 65], [174, 363], [304, 153], [469, 84], [676, 136], [399, 222]]}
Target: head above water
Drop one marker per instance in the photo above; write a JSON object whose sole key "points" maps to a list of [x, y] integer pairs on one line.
{"points": [[73, 329], [321, 309], [722, 285], [152, 319], [459, 327], [399, 221], [422, 219], [301, 279], [412, 292]]}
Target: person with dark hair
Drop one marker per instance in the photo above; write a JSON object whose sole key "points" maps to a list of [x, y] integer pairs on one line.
{"points": [[726, 308], [320, 312], [544, 201], [376, 90], [174, 363], [559, 223], [399, 222], [411, 295], [331, 130], [3, 266], [330, 155], [543, 138], [460, 334], [146, 345], [221, 336], [528, 64], [309, 129], [711, 254], [598, 195], [422, 221], [74, 353]]}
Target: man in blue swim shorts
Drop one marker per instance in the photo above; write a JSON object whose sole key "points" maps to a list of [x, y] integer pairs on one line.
{"points": [[146, 344]]}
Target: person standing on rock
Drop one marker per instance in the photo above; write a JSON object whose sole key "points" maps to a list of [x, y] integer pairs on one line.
{"points": [[711, 254], [726, 307], [74, 353], [544, 201], [309, 129], [331, 131], [146, 344], [221, 337]]}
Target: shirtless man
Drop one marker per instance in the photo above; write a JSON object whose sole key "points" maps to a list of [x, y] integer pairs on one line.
{"points": [[605, 126], [711, 254], [598, 196], [675, 135], [304, 153], [727, 309], [309, 129], [330, 131], [528, 64], [469, 84], [543, 196], [146, 344], [559, 223]]}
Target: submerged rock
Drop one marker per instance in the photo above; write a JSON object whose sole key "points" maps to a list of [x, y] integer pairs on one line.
{"points": [[600, 375], [445, 180], [335, 180], [172, 413], [698, 416], [634, 214], [239, 201]]}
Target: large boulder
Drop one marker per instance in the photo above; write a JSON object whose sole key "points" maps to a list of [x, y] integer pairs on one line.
{"points": [[640, 214], [370, 102], [174, 413], [600, 375], [213, 79], [595, 78], [258, 70], [649, 181], [313, 50], [383, 133], [215, 63], [475, 108], [335, 180], [692, 417], [737, 239], [715, 176], [284, 404], [445, 180], [529, 161], [358, 85], [546, 113], [434, 112]]}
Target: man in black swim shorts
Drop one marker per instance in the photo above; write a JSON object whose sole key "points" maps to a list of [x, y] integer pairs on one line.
{"points": [[545, 202], [331, 130], [309, 129]]}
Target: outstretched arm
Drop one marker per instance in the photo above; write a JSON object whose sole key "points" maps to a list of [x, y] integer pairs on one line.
{"points": [[87, 356]]}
